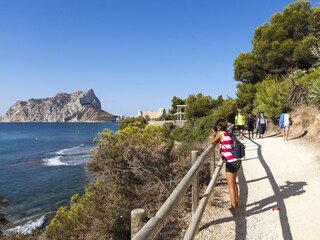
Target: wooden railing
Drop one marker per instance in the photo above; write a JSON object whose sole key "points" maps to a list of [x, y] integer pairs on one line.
{"points": [[150, 230]]}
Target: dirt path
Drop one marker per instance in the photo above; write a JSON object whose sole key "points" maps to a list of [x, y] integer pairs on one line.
{"points": [[279, 194]]}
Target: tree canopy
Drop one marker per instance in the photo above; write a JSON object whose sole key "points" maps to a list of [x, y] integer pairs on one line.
{"points": [[282, 45], [175, 101]]}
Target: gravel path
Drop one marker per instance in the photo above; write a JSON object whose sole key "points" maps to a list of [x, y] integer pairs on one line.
{"points": [[279, 194]]}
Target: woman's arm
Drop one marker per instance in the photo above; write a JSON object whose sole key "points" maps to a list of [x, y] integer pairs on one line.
{"points": [[216, 138]]}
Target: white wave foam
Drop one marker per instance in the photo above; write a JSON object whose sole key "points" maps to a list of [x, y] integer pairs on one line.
{"points": [[28, 226], [68, 157], [66, 150], [54, 161]]}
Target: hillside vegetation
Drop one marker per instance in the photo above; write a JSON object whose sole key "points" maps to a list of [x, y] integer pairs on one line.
{"points": [[140, 165]]}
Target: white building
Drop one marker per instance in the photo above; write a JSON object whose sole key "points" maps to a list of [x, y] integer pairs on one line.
{"points": [[152, 115]]}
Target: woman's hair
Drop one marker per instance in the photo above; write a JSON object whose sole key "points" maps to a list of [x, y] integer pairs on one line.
{"points": [[214, 128], [222, 124], [284, 110]]}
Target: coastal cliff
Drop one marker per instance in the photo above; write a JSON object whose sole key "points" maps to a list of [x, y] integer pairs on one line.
{"points": [[75, 107]]}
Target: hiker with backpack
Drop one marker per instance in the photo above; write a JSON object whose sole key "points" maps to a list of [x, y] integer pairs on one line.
{"points": [[262, 124], [232, 164]]}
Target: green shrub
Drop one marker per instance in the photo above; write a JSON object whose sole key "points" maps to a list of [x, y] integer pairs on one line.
{"points": [[134, 121], [245, 96], [134, 168], [314, 93], [199, 129], [198, 106], [308, 79], [271, 97], [227, 110]]}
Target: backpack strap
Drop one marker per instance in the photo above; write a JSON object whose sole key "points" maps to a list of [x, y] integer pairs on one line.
{"points": [[235, 141]]}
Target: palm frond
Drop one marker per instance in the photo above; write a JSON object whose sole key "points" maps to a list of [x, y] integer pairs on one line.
{"points": [[314, 93], [298, 96]]}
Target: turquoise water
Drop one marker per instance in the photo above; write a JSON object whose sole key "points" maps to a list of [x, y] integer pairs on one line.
{"points": [[42, 165]]}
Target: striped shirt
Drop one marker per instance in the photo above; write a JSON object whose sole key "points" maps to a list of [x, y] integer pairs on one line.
{"points": [[226, 147]]}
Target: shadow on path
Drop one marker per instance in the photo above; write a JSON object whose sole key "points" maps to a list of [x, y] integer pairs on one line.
{"points": [[275, 202], [300, 136]]}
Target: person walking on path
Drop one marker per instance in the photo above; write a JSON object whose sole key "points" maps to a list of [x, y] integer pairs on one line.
{"points": [[262, 123], [257, 124], [232, 164], [284, 123], [239, 121], [250, 122]]}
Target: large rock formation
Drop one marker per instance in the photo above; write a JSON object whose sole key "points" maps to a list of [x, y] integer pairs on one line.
{"points": [[76, 107]]}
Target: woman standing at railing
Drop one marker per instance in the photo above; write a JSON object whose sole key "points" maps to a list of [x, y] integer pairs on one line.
{"points": [[232, 164]]}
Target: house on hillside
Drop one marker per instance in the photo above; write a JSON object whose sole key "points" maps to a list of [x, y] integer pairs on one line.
{"points": [[152, 115]]}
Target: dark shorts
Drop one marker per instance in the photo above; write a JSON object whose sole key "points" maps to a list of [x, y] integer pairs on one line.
{"points": [[263, 128], [240, 127], [233, 167], [250, 128]]}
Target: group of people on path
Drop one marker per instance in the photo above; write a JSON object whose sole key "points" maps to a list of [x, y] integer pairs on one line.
{"points": [[258, 123], [226, 140]]}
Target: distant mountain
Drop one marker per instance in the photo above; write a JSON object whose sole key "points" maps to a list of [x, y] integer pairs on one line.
{"points": [[75, 107]]}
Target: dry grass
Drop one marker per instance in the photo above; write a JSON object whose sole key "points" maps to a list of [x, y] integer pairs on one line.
{"points": [[306, 120]]}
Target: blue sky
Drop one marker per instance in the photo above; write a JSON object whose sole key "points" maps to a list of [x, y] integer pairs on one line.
{"points": [[134, 54]]}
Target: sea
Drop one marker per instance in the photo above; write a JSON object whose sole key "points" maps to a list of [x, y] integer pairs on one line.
{"points": [[41, 166]]}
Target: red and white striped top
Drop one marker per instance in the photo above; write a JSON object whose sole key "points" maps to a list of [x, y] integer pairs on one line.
{"points": [[226, 147]]}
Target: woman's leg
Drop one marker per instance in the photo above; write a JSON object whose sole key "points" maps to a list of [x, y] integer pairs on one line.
{"points": [[286, 134], [233, 189], [236, 188]]}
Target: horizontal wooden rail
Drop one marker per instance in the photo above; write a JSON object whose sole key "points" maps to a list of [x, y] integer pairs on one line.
{"points": [[152, 228]]}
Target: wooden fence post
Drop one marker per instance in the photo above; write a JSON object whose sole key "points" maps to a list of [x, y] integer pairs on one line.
{"points": [[138, 217], [195, 184], [213, 162]]}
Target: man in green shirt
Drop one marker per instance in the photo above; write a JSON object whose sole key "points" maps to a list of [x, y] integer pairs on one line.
{"points": [[239, 122]]}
